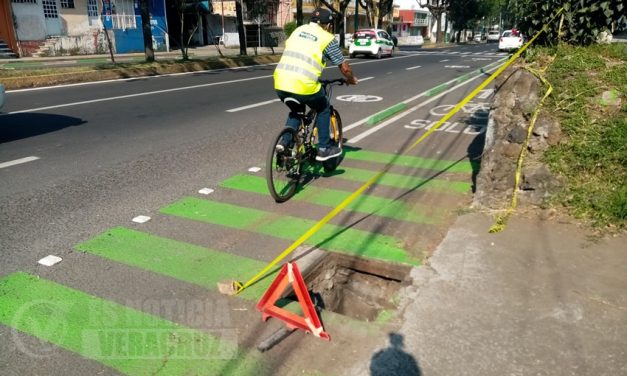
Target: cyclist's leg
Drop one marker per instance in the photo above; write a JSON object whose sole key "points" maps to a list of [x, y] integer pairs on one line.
{"points": [[320, 104], [293, 121]]}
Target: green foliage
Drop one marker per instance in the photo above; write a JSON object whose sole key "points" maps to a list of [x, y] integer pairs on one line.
{"points": [[289, 28], [584, 20], [593, 157]]}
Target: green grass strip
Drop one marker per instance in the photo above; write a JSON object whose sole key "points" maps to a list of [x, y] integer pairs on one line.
{"points": [[405, 182], [411, 161], [183, 261], [368, 204], [331, 237], [127, 340], [379, 116]]}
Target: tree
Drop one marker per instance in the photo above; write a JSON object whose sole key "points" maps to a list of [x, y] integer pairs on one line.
{"points": [[385, 8], [299, 12], [437, 8], [584, 20], [464, 14], [368, 6], [149, 52], [339, 21], [185, 9]]}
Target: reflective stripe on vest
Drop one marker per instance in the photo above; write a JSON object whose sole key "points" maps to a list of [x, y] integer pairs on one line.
{"points": [[301, 63]]}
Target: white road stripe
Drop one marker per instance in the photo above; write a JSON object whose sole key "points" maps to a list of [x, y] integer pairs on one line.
{"points": [[253, 105], [415, 67], [18, 161], [133, 95]]}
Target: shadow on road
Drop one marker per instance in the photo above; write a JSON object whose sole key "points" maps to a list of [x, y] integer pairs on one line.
{"points": [[18, 126], [393, 360]]}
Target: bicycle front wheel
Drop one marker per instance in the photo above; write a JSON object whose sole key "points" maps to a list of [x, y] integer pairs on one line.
{"points": [[283, 166], [335, 131]]}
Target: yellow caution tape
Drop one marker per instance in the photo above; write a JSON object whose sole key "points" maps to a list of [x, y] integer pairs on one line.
{"points": [[377, 176]]}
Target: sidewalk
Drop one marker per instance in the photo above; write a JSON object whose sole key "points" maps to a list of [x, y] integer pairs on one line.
{"points": [[539, 298]]}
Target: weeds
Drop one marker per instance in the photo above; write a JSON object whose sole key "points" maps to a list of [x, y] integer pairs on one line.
{"points": [[593, 156]]}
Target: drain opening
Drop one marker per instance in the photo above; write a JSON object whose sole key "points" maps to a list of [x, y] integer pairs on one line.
{"points": [[355, 287]]}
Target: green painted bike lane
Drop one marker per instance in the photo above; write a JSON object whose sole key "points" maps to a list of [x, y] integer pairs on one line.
{"points": [[329, 237], [136, 343], [166, 347]]}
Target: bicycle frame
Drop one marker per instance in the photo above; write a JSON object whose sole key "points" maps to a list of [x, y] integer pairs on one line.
{"points": [[305, 131]]}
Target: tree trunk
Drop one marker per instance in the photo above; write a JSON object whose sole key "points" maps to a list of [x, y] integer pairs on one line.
{"points": [[106, 32], [299, 12], [149, 52], [240, 27]]}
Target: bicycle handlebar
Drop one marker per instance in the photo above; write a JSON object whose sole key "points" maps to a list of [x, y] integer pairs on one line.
{"points": [[339, 81]]}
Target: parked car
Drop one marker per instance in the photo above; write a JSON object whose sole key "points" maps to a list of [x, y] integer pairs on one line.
{"points": [[493, 36], [373, 42], [510, 40], [478, 37], [1, 96]]}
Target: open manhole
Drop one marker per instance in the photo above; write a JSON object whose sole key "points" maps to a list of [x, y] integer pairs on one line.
{"points": [[355, 287]]}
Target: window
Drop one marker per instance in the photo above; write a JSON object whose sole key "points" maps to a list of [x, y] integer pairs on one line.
{"points": [[24, 1], [92, 13], [92, 8], [123, 14], [50, 9], [67, 4]]}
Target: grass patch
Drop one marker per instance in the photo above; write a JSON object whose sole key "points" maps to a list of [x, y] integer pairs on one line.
{"points": [[593, 156]]}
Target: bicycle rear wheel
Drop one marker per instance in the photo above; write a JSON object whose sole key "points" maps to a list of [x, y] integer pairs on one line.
{"points": [[283, 166], [335, 131]]}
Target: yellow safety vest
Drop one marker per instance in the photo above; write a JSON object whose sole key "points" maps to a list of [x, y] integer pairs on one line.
{"points": [[301, 63]]}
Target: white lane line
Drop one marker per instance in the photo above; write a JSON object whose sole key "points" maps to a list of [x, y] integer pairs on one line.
{"points": [[253, 105], [416, 67], [18, 161], [134, 95], [445, 60], [365, 79], [391, 120]]}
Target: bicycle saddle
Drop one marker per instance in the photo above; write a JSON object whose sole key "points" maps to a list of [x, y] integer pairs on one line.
{"points": [[295, 106]]}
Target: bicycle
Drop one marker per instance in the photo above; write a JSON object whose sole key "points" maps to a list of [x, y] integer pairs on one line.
{"points": [[292, 149]]}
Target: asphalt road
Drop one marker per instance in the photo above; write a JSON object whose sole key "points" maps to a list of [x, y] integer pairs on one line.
{"points": [[101, 154]]}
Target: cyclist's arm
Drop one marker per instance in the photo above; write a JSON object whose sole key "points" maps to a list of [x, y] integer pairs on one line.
{"points": [[347, 71], [333, 53]]}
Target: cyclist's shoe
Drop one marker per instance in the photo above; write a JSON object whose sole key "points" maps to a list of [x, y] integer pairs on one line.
{"points": [[328, 153], [282, 146]]}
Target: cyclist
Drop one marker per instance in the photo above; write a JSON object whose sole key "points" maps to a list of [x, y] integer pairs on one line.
{"points": [[306, 53]]}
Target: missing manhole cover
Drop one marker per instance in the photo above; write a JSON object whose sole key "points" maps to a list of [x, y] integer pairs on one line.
{"points": [[355, 287]]}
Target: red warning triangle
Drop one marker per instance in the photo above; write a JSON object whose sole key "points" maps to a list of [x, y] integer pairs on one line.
{"points": [[310, 322]]}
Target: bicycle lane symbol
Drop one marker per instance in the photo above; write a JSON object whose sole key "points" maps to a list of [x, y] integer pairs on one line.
{"points": [[475, 120], [359, 98]]}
